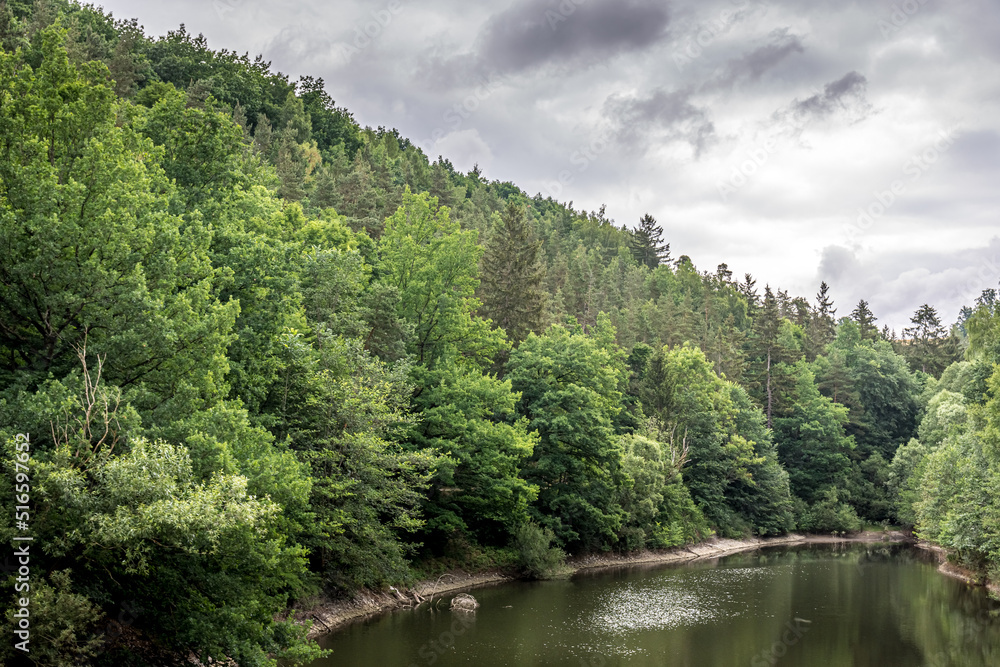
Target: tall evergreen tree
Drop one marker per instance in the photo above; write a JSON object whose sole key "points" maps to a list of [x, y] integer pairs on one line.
{"points": [[925, 341], [748, 288], [647, 243], [767, 325], [511, 276], [823, 323], [863, 315]]}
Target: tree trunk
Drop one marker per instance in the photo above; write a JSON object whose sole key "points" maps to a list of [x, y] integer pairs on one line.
{"points": [[769, 387]]}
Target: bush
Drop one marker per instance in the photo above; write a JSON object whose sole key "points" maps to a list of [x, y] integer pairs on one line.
{"points": [[64, 623], [536, 555], [830, 514]]}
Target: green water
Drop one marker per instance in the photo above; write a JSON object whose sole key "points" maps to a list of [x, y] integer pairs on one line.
{"points": [[823, 606]]}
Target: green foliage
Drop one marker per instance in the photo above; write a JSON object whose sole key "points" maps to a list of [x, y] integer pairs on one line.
{"points": [[927, 344], [569, 385], [829, 514], [946, 415], [905, 475], [763, 497], [537, 557], [346, 413], [467, 417], [948, 483], [812, 444], [698, 422], [512, 276], [659, 509], [647, 244], [92, 251], [64, 624], [887, 392], [865, 319], [957, 507], [142, 518], [433, 264]]}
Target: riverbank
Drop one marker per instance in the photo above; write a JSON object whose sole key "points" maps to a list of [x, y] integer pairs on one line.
{"points": [[330, 615], [955, 571]]}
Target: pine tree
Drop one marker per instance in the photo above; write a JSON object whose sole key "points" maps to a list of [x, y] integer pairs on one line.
{"points": [[290, 167], [767, 324], [724, 275], [801, 313], [511, 276], [925, 342], [823, 323], [748, 288], [262, 135], [863, 315], [647, 243], [784, 304]]}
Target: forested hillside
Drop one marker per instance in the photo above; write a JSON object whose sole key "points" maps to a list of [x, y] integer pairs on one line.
{"points": [[263, 353]]}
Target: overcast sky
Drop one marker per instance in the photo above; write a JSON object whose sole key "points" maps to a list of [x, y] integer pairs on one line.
{"points": [[800, 141]]}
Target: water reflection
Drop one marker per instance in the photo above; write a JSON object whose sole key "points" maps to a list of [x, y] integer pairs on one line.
{"points": [[824, 605]]}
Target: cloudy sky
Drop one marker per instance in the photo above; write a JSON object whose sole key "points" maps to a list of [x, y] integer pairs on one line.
{"points": [[852, 142]]}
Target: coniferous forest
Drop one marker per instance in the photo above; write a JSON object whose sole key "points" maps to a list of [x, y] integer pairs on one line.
{"points": [[263, 353]]}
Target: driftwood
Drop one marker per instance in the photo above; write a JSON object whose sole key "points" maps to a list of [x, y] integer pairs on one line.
{"points": [[438, 583], [328, 628]]}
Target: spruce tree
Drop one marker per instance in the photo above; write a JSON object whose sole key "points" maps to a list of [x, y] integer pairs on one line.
{"points": [[511, 276], [823, 323], [863, 315], [925, 341], [647, 243], [748, 288], [765, 351]]}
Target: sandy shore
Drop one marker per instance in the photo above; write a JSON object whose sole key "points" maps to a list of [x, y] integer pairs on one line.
{"points": [[329, 615]]}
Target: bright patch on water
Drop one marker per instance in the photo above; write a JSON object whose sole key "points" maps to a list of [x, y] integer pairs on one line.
{"points": [[670, 602]]}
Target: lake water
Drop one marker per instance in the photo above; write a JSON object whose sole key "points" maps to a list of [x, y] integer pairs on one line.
{"points": [[853, 605]]}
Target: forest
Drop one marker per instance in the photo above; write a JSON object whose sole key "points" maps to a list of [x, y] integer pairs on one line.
{"points": [[264, 354]]}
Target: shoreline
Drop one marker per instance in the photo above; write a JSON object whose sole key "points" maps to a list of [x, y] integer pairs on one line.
{"points": [[329, 616], [963, 574]]}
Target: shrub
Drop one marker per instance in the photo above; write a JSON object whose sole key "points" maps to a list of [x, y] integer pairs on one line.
{"points": [[536, 555]]}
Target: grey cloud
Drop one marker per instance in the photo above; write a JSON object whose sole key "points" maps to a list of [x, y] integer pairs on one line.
{"points": [[300, 45], [755, 63], [846, 93], [670, 115], [977, 151], [673, 116], [895, 283], [530, 34], [843, 100], [836, 263]]}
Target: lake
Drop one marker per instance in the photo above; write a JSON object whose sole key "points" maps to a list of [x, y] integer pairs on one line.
{"points": [[857, 605]]}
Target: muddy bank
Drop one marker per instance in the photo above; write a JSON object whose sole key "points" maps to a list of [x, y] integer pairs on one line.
{"points": [[709, 549], [721, 547], [955, 571], [329, 615]]}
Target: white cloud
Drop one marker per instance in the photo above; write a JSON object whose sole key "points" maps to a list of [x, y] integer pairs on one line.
{"points": [[465, 149]]}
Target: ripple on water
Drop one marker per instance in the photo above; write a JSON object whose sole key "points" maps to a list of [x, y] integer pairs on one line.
{"points": [[674, 601]]}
